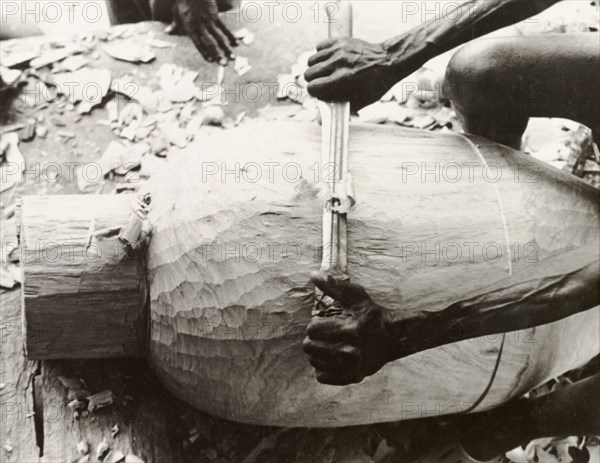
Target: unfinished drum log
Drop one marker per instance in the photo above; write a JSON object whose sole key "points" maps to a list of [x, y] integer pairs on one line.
{"points": [[235, 231]]}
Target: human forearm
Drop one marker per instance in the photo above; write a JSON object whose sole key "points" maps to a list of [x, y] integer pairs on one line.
{"points": [[459, 25], [345, 347], [509, 308]]}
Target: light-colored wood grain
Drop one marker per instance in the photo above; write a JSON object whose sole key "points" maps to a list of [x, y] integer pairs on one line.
{"points": [[236, 230], [229, 260], [84, 295]]}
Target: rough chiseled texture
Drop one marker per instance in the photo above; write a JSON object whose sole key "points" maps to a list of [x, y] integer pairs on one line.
{"points": [[82, 296], [437, 218]]}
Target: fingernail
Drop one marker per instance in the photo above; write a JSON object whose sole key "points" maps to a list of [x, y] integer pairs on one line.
{"points": [[223, 61], [232, 56]]}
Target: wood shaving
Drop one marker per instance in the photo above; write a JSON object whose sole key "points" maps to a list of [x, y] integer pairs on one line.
{"points": [[129, 51], [241, 65], [10, 76], [245, 36], [73, 63], [131, 458], [6, 279], [146, 96], [157, 43], [100, 400], [17, 59], [102, 450], [54, 55], [177, 83], [83, 447], [13, 162], [114, 456], [88, 86]]}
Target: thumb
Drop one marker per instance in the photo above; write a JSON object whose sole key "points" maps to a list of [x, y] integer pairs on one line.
{"points": [[341, 290]]}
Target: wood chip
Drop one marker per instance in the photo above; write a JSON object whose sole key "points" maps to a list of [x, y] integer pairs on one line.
{"points": [[27, 132], [17, 59], [114, 456], [88, 86], [76, 405], [143, 132], [214, 115], [174, 134], [131, 458], [10, 76], [65, 134], [283, 82], [423, 122], [15, 271], [245, 36], [102, 450], [41, 131], [129, 51], [159, 145], [83, 447], [73, 63], [10, 128], [100, 400], [79, 393], [71, 383], [157, 43], [241, 65], [177, 83], [376, 113], [54, 55], [6, 279], [13, 165], [144, 95]]}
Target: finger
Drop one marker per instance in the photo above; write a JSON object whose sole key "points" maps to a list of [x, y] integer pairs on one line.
{"points": [[233, 41], [326, 350], [211, 44], [221, 41], [319, 70], [346, 293], [193, 34], [327, 43], [200, 46], [321, 56], [331, 365], [326, 89], [333, 329]]}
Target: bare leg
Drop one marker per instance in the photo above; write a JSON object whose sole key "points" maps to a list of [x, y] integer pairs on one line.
{"points": [[566, 412], [496, 85]]}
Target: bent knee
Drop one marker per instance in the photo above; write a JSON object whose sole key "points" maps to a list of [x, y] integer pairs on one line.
{"points": [[474, 73]]}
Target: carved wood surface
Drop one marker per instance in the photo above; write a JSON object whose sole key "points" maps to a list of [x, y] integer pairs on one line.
{"points": [[236, 232], [84, 295]]}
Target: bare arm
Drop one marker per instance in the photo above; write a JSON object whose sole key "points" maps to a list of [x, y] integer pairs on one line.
{"points": [[346, 347], [466, 22], [514, 306], [361, 72]]}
